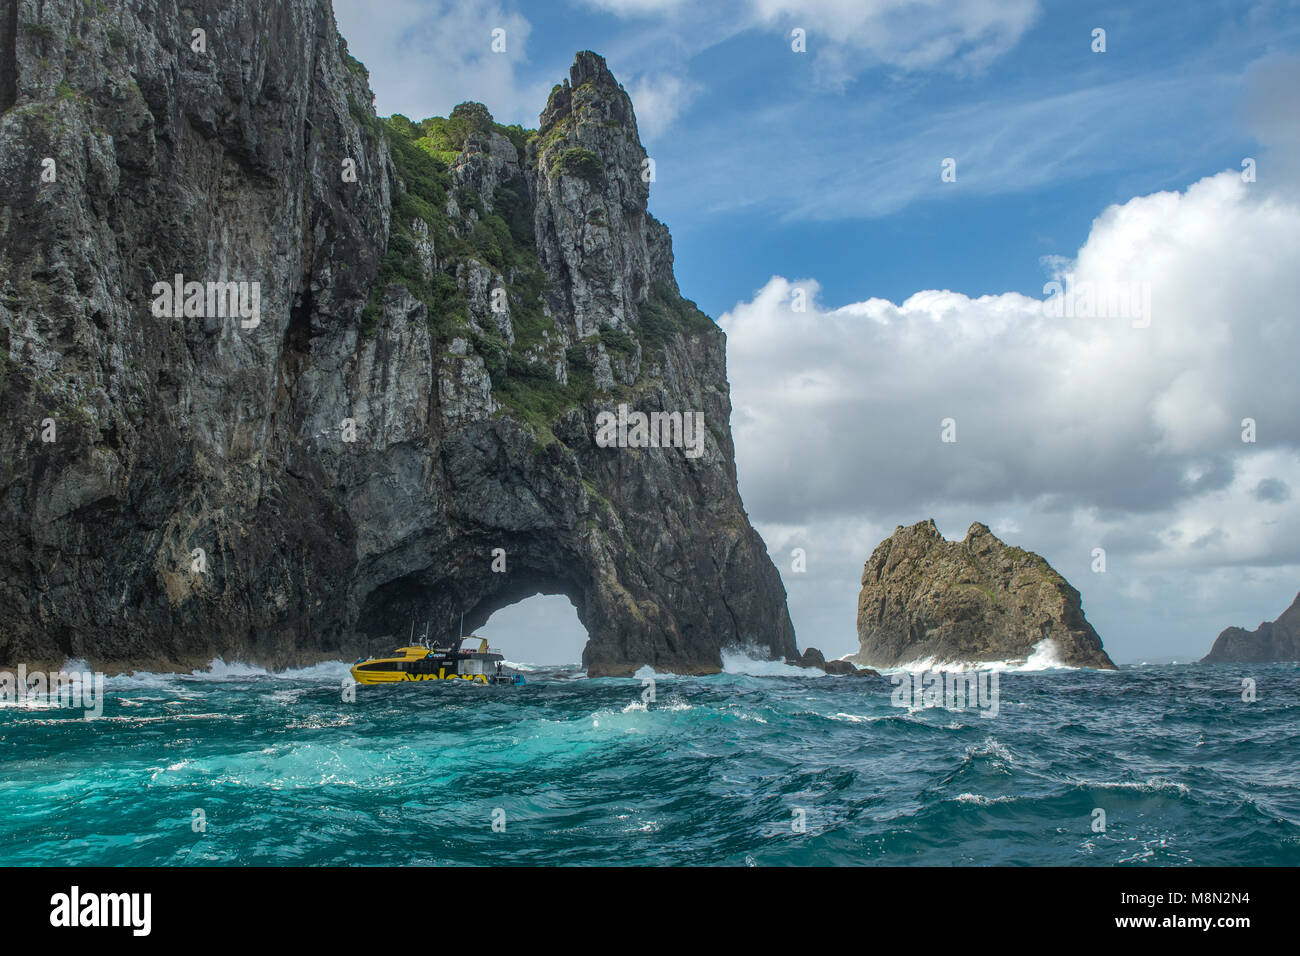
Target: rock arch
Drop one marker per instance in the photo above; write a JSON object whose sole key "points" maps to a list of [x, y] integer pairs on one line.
{"points": [[473, 427]]}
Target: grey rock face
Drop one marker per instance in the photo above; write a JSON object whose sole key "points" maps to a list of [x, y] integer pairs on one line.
{"points": [[1272, 641], [307, 487], [592, 186], [973, 600]]}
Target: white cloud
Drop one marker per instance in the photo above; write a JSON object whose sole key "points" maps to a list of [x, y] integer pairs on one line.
{"points": [[884, 154], [955, 35], [846, 37], [1072, 433], [1033, 393], [635, 8], [658, 101], [425, 57]]}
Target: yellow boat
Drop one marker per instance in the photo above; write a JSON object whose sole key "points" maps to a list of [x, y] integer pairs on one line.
{"points": [[422, 662]]}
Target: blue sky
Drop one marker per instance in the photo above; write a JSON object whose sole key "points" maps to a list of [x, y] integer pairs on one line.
{"points": [[822, 169], [772, 168]]}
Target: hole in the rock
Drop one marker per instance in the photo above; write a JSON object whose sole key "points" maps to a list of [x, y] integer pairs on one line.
{"points": [[542, 629]]}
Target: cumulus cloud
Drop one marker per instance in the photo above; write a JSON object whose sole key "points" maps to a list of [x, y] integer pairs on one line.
{"points": [[1111, 409], [1122, 431]]}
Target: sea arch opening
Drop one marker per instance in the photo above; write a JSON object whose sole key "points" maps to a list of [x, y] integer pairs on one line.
{"points": [[530, 599], [539, 629]]}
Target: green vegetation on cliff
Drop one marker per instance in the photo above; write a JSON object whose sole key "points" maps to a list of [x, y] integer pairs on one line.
{"points": [[580, 162], [428, 245], [422, 153], [667, 313]]}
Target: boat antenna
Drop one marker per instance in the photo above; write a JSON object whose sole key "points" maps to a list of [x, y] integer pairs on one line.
{"points": [[462, 623]]}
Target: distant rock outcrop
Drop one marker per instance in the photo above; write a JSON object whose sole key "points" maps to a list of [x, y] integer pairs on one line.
{"points": [[973, 600], [1272, 641], [815, 659]]}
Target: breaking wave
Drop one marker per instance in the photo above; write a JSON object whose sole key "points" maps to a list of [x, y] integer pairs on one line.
{"points": [[1045, 656]]}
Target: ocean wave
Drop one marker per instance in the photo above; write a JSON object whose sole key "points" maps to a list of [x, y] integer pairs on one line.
{"points": [[33, 702], [993, 749], [1153, 785], [735, 661], [556, 669], [983, 801], [222, 670], [1045, 656]]}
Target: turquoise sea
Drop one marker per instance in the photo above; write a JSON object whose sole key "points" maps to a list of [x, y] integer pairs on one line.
{"points": [[763, 765]]}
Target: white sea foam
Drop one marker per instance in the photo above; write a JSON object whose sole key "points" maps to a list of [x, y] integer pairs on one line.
{"points": [[991, 748], [325, 670], [220, 670], [744, 662], [1045, 656], [530, 668], [862, 718], [35, 702], [1153, 785], [981, 800]]}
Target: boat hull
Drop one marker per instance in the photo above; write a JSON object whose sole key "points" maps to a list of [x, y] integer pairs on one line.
{"points": [[422, 663], [395, 677]]}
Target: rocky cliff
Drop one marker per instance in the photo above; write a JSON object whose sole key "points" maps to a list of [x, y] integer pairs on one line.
{"points": [[1272, 641], [391, 412], [973, 600]]}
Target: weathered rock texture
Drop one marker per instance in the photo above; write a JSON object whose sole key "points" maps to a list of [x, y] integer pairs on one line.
{"points": [[813, 659], [973, 600], [470, 311], [1272, 641]]}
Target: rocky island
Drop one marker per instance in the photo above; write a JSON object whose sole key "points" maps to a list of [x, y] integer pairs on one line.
{"points": [[924, 597], [1272, 641], [386, 413]]}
